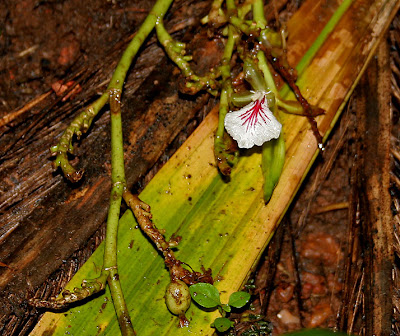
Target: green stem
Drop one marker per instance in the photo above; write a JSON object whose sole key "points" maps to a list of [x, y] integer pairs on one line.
{"points": [[79, 125], [311, 52], [230, 6], [176, 52], [269, 79], [118, 187], [241, 25], [117, 149], [258, 14], [222, 146], [273, 160], [118, 184], [174, 49], [83, 121], [156, 13], [117, 163], [225, 69], [216, 15], [223, 110], [244, 8], [309, 55]]}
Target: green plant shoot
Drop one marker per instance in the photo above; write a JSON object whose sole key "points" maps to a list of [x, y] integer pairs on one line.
{"points": [[207, 296]]}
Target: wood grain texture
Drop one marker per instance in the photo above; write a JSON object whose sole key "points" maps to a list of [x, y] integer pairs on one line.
{"points": [[43, 218], [374, 132]]}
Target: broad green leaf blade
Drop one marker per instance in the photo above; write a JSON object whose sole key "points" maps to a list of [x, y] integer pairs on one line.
{"points": [[226, 226], [222, 324], [239, 299], [205, 294], [225, 307]]}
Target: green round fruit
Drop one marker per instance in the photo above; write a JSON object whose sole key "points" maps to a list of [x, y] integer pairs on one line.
{"points": [[177, 297]]}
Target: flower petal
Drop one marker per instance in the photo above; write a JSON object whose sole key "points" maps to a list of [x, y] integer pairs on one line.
{"points": [[253, 124]]}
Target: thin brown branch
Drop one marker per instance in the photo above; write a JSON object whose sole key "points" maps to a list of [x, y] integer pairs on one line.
{"points": [[357, 286], [142, 213], [15, 114], [290, 80], [331, 207]]}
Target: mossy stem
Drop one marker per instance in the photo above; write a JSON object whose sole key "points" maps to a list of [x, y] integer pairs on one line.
{"points": [[79, 125]]}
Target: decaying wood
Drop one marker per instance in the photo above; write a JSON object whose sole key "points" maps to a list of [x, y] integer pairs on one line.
{"points": [[150, 127], [395, 80], [14, 115], [323, 171], [43, 218], [374, 125], [267, 270], [348, 315]]}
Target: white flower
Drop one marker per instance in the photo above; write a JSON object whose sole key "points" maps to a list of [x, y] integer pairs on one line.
{"points": [[253, 124]]}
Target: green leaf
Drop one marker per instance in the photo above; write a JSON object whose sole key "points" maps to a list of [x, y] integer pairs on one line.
{"points": [[205, 294], [239, 299], [226, 307], [222, 324]]}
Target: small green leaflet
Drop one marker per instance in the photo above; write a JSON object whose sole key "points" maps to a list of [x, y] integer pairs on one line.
{"points": [[205, 294], [239, 299], [222, 324], [226, 308]]}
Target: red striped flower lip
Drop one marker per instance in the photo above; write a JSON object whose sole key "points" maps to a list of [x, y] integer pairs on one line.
{"points": [[254, 123]]}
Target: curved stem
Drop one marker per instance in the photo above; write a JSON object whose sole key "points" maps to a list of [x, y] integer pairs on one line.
{"points": [[83, 121], [117, 163], [157, 13], [79, 125], [176, 52], [244, 8]]}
